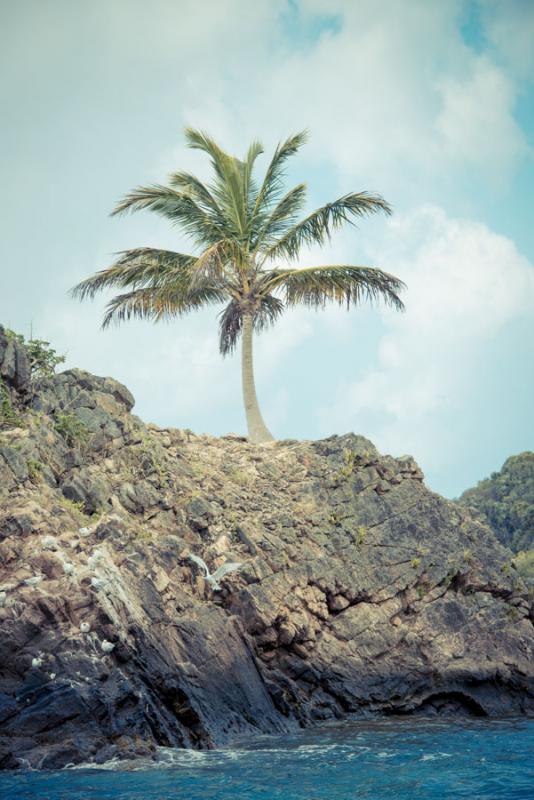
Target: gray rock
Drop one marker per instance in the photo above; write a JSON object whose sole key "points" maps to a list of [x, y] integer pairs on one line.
{"points": [[15, 462], [14, 363], [93, 492]]}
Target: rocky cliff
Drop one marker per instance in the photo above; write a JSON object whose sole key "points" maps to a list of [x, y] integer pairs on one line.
{"points": [[360, 592]]}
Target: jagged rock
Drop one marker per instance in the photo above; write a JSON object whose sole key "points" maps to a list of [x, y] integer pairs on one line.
{"points": [[92, 491], [15, 463], [360, 592], [14, 363]]}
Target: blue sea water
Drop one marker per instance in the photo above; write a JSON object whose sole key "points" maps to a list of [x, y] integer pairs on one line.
{"points": [[398, 760]]}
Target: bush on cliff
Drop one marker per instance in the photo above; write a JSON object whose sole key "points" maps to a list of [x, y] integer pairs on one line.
{"points": [[41, 355]]}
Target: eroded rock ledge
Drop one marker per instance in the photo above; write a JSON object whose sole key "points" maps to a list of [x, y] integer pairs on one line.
{"points": [[361, 592]]}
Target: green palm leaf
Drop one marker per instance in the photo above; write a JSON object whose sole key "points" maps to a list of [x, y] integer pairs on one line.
{"points": [[135, 268], [178, 207], [190, 184], [272, 185], [231, 176], [281, 217], [318, 226]]}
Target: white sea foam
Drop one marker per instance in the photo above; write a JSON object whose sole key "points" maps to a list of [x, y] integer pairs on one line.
{"points": [[434, 756]]}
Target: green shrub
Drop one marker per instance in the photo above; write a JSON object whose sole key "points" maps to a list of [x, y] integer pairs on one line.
{"points": [[524, 564], [71, 429], [8, 415], [335, 518], [42, 357], [350, 461], [361, 535], [75, 509], [78, 511], [198, 470], [34, 469], [240, 477]]}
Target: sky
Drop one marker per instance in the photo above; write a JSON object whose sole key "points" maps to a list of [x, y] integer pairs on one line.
{"points": [[428, 102]]}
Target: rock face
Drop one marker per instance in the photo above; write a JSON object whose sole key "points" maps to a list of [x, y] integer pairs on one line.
{"points": [[506, 502], [360, 592], [14, 364]]}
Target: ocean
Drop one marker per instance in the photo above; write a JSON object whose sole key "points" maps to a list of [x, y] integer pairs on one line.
{"points": [[395, 759]]}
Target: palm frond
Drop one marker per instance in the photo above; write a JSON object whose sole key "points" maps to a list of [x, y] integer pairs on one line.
{"points": [[319, 225], [281, 217], [200, 140], [190, 184], [269, 310], [217, 262], [136, 268], [230, 327], [255, 150], [179, 207], [343, 284], [229, 188], [160, 303], [272, 183]]}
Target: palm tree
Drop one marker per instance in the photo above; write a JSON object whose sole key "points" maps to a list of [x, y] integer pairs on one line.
{"points": [[245, 234]]}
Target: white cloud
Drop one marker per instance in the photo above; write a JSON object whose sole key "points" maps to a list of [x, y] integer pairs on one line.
{"points": [[476, 123], [395, 91], [510, 29], [465, 284]]}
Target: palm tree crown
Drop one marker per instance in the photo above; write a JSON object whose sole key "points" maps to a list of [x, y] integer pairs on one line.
{"points": [[245, 234]]}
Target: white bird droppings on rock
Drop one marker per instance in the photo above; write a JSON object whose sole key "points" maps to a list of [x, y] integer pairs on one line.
{"points": [[50, 543], [94, 558], [33, 581]]}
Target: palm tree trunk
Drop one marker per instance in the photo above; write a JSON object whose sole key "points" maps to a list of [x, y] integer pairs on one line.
{"points": [[257, 429]]}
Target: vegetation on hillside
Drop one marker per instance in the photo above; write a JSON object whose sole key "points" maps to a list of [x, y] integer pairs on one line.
{"points": [[505, 500], [42, 357], [42, 361]]}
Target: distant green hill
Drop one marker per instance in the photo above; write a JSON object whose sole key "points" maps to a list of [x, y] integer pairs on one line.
{"points": [[506, 501]]}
